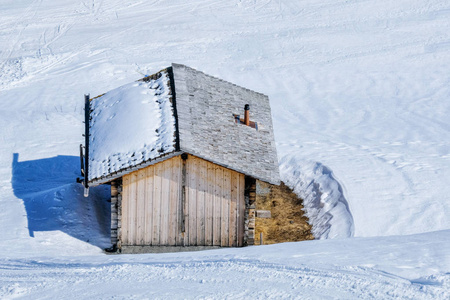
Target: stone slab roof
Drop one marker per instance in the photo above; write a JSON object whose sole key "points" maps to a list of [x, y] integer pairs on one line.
{"points": [[207, 127], [196, 114]]}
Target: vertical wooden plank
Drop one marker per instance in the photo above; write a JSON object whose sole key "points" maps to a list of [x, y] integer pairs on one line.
{"points": [[217, 205], [140, 207], [182, 215], [125, 208], [209, 204], [173, 204], [157, 205], [187, 223], [226, 199], [201, 188], [233, 209], [132, 209], [179, 208], [165, 204], [241, 210], [149, 204], [187, 217], [192, 171]]}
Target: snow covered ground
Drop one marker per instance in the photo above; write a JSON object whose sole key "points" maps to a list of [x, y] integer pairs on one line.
{"points": [[360, 96], [412, 267]]}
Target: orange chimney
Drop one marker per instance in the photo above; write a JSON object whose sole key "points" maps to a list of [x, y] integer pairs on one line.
{"points": [[247, 115]]}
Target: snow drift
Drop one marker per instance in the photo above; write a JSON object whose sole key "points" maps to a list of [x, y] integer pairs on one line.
{"points": [[322, 195]]}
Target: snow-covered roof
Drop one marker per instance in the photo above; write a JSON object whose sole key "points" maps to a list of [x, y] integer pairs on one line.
{"points": [[180, 110], [131, 125]]}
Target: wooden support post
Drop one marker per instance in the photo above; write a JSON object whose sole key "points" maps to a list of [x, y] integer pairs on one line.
{"points": [[87, 113], [261, 238], [81, 160], [184, 157]]}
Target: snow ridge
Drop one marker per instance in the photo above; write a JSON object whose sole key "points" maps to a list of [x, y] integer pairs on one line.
{"points": [[324, 201]]}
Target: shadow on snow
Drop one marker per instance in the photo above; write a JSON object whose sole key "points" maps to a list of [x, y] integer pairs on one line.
{"points": [[54, 201]]}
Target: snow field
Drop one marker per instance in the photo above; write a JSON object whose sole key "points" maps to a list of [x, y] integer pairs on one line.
{"points": [[361, 88], [359, 93], [368, 268]]}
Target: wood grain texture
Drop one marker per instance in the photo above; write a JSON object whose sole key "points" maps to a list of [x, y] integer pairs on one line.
{"points": [[165, 201], [157, 205], [149, 186], [183, 204], [132, 209], [140, 208], [233, 209], [241, 211], [225, 212], [209, 203], [152, 206], [201, 189], [173, 201], [217, 206], [124, 219], [192, 198]]}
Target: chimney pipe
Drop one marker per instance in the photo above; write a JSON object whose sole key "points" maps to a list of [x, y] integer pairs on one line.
{"points": [[247, 115]]}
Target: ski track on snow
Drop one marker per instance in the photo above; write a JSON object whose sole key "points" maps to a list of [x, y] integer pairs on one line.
{"points": [[209, 279]]}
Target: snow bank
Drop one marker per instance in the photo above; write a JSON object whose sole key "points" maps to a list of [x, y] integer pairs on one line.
{"points": [[130, 125], [324, 201]]}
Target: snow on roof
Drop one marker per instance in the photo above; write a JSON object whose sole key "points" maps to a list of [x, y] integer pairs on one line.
{"points": [[131, 125], [135, 125]]}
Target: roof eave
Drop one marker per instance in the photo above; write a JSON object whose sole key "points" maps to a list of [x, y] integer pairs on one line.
{"points": [[115, 175]]}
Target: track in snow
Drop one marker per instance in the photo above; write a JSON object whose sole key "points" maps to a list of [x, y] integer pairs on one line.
{"points": [[251, 279]]}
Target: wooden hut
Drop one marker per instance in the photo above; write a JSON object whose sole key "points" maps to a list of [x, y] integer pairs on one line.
{"points": [[182, 151]]}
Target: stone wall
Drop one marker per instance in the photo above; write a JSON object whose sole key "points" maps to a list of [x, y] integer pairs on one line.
{"points": [[116, 212], [250, 211]]}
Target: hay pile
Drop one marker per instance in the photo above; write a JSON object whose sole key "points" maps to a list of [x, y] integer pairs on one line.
{"points": [[288, 222]]}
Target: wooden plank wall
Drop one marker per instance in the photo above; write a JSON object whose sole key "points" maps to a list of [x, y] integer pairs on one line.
{"points": [[152, 209]]}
